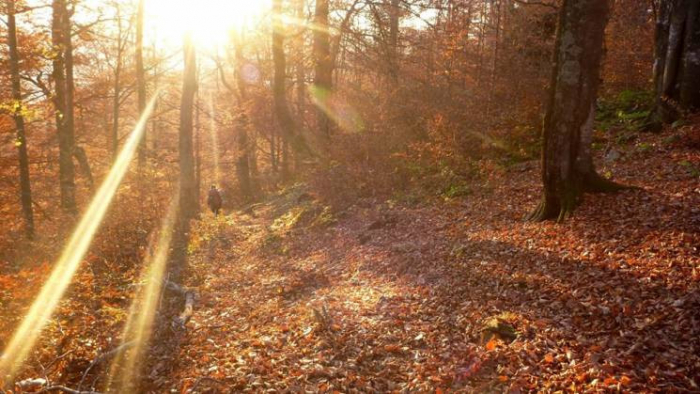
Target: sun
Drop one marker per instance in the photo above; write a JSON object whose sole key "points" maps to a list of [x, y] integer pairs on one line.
{"points": [[208, 21]]}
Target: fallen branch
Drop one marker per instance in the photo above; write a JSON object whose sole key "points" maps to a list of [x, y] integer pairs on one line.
{"points": [[174, 287], [102, 358], [186, 314], [189, 295], [65, 389]]}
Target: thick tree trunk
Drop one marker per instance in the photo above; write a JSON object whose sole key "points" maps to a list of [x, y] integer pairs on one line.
{"points": [[140, 79], [323, 68], [188, 193], [690, 86], [63, 113], [24, 183], [567, 166], [677, 58]]}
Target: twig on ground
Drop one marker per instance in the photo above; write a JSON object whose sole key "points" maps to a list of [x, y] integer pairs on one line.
{"points": [[65, 389], [102, 358]]}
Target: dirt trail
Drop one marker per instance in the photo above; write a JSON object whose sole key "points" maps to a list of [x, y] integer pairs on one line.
{"points": [[457, 296]]}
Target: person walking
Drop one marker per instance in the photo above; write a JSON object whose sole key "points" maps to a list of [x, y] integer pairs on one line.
{"points": [[214, 200]]}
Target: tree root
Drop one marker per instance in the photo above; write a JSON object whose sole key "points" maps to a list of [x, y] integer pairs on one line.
{"points": [[594, 183], [541, 213]]}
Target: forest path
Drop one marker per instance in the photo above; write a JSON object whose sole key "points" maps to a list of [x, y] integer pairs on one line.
{"points": [[289, 305], [392, 297]]}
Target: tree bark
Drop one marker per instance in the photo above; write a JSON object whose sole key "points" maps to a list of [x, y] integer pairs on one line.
{"points": [[394, 15], [188, 193], [140, 79], [690, 87], [567, 165], [299, 67], [114, 135], [323, 67], [24, 182], [243, 162], [64, 131], [677, 58]]}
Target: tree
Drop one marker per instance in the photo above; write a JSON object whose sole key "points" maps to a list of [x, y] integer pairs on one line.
{"points": [[122, 40], [567, 164], [17, 114], [323, 69], [140, 77], [189, 205], [64, 111], [677, 58], [244, 144], [279, 88]]}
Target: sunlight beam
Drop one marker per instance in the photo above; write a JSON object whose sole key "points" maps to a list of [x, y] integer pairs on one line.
{"points": [[340, 112], [51, 293], [124, 371]]}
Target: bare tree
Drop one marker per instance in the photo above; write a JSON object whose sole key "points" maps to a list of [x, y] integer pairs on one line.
{"points": [[140, 78], [64, 115], [323, 69], [17, 114]]}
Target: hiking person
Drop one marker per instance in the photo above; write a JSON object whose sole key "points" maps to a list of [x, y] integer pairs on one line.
{"points": [[214, 200]]}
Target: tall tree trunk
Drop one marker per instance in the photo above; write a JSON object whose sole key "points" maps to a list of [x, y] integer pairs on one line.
{"points": [[64, 131], [690, 86], [394, 15], [189, 205], [567, 166], [279, 88], [243, 162], [323, 69], [677, 58], [244, 146], [25, 187], [198, 147], [117, 89], [299, 67], [140, 79], [155, 127]]}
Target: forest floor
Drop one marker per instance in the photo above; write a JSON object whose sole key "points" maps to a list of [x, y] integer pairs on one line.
{"points": [[457, 295]]}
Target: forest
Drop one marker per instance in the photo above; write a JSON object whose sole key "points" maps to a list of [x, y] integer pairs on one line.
{"points": [[349, 196]]}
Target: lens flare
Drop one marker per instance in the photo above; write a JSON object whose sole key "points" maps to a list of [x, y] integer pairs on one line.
{"points": [[51, 293], [340, 112], [124, 371]]}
